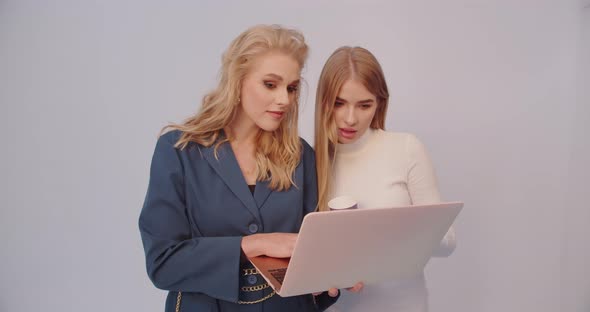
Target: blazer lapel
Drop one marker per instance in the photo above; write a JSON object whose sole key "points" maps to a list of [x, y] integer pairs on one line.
{"points": [[261, 192], [228, 169]]}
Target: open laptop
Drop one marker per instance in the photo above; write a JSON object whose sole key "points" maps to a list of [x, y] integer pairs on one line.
{"points": [[340, 248]]}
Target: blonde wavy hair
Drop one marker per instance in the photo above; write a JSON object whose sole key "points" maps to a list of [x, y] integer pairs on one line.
{"points": [[344, 64], [278, 152]]}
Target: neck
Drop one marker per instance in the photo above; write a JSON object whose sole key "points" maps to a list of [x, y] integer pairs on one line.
{"points": [[357, 145], [242, 130]]}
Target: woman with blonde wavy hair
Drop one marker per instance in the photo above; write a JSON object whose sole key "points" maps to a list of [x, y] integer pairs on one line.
{"points": [[357, 158], [233, 181]]}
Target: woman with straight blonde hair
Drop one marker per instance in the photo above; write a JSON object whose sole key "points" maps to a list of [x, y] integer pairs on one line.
{"points": [[357, 158], [232, 182]]}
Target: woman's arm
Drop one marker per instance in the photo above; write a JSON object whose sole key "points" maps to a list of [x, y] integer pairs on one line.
{"points": [[174, 259], [423, 187]]}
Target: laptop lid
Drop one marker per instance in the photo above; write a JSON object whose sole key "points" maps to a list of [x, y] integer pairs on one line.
{"points": [[340, 248]]}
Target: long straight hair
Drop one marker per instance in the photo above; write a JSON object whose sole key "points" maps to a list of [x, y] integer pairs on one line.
{"points": [[278, 152], [344, 64]]}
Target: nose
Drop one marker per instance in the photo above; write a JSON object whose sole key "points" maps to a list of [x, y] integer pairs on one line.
{"points": [[350, 118], [283, 98]]}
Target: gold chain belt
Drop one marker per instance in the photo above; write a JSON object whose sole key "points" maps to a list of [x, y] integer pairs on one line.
{"points": [[259, 300], [255, 288], [252, 271]]}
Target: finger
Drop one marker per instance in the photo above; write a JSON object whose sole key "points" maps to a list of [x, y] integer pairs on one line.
{"points": [[333, 292], [356, 288], [359, 286]]}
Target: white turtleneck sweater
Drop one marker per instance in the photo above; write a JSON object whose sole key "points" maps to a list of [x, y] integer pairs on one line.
{"points": [[385, 169]]}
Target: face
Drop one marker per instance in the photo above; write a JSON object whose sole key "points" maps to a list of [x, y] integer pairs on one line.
{"points": [[269, 90], [354, 110]]}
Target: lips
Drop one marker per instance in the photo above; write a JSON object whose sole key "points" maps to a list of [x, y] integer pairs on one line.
{"points": [[347, 133], [276, 114]]}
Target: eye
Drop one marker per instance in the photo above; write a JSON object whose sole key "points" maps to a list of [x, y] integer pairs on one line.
{"points": [[366, 106], [270, 84], [338, 104], [292, 89]]}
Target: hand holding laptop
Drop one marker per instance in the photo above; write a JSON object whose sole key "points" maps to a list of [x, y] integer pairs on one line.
{"points": [[279, 245], [334, 291]]}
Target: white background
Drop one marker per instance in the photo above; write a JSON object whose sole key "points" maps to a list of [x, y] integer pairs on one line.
{"points": [[497, 90]]}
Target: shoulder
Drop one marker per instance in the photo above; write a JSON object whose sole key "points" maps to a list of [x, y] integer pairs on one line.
{"points": [[393, 136], [166, 145], [396, 138], [400, 141], [166, 157], [307, 154], [305, 147], [170, 137]]}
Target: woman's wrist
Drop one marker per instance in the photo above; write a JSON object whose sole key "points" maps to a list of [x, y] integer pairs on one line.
{"points": [[251, 245]]}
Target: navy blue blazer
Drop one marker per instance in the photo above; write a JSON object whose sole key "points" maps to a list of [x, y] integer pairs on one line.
{"points": [[196, 211]]}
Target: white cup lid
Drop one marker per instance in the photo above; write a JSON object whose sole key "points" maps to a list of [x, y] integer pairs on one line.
{"points": [[342, 202]]}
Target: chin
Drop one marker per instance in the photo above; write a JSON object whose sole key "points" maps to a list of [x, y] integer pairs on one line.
{"points": [[346, 141], [269, 126]]}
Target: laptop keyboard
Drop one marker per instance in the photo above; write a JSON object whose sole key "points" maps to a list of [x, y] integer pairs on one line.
{"points": [[278, 274]]}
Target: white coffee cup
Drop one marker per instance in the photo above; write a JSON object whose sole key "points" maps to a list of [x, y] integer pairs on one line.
{"points": [[342, 203]]}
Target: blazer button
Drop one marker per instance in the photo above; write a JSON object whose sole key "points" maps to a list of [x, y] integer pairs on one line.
{"points": [[253, 228], [252, 279]]}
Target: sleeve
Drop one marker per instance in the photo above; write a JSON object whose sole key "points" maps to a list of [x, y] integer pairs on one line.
{"points": [[324, 301], [423, 188], [176, 260], [310, 181]]}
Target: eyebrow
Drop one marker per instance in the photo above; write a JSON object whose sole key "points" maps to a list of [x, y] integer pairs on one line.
{"points": [[367, 101], [279, 78]]}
